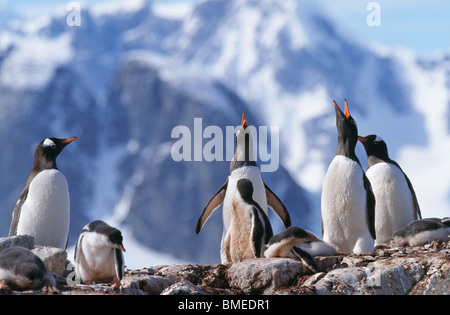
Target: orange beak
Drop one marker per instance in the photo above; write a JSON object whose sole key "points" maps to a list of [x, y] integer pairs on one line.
{"points": [[244, 121], [362, 139], [69, 140], [121, 248], [310, 237], [346, 112]]}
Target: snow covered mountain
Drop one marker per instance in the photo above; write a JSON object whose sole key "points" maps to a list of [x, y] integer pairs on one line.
{"points": [[132, 72]]}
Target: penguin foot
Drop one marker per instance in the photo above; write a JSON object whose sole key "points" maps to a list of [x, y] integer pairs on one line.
{"points": [[49, 289], [116, 284]]}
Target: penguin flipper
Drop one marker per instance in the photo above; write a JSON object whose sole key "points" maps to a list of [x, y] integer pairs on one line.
{"points": [[417, 213], [306, 258], [118, 263], [277, 206], [17, 210], [370, 197], [212, 205], [76, 255]]}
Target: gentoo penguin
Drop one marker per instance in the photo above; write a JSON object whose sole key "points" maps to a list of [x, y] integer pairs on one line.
{"points": [[318, 247], [21, 269], [98, 254], [421, 231], [43, 208], [396, 202], [242, 166], [249, 229], [283, 245], [347, 201]]}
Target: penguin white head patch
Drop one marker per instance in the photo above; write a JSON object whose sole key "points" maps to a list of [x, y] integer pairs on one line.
{"points": [[378, 139], [49, 143]]}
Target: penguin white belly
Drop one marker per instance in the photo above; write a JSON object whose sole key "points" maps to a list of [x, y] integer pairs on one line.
{"points": [[45, 214], [344, 207], [96, 262], [259, 195], [394, 207]]}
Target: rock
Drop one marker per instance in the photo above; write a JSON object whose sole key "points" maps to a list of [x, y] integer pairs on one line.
{"points": [[388, 271], [264, 275], [151, 284], [184, 287], [26, 241], [55, 259]]}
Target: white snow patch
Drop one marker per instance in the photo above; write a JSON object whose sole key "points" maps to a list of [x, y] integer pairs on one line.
{"points": [[116, 7], [174, 11], [34, 61]]}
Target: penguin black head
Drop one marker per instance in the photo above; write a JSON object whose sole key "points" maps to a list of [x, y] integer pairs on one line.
{"points": [[47, 151], [446, 221], [113, 235], [245, 189], [244, 155], [294, 233], [375, 146], [347, 132]]}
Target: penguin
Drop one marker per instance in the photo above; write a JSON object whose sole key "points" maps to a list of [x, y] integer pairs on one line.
{"points": [[242, 166], [420, 232], [21, 269], [98, 254], [43, 208], [396, 201], [283, 245], [250, 227], [347, 200], [318, 247]]}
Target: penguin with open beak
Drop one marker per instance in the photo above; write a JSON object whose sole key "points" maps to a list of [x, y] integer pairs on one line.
{"points": [[99, 254], [347, 201], [242, 166]]}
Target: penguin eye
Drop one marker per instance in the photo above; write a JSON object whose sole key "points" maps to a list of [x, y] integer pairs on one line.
{"points": [[353, 122]]}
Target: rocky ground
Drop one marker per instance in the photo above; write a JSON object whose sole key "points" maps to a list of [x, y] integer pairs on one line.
{"points": [[421, 270]]}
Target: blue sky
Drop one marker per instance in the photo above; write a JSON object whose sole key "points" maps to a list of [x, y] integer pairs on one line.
{"points": [[420, 25]]}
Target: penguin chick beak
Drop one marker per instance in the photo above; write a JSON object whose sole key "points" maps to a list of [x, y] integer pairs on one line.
{"points": [[69, 140], [244, 121], [120, 246]]}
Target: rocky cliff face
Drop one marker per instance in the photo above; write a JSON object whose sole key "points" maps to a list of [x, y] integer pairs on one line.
{"points": [[421, 270]]}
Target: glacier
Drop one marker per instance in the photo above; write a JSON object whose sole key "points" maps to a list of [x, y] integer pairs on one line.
{"points": [[134, 70]]}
